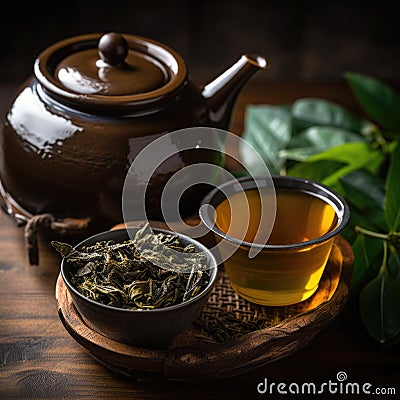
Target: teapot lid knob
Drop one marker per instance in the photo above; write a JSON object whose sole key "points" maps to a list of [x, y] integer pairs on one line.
{"points": [[113, 48]]}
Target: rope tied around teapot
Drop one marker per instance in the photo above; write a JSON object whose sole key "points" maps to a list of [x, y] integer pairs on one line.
{"points": [[48, 221]]}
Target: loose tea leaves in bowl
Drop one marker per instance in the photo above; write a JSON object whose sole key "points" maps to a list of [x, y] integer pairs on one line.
{"points": [[124, 276]]}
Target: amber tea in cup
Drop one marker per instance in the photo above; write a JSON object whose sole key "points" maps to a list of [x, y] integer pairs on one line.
{"points": [[289, 264]]}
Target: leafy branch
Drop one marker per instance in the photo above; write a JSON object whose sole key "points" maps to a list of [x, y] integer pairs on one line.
{"points": [[360, 158]]}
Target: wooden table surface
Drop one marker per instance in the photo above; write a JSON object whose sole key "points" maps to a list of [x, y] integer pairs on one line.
{"points": [[39, 359]]}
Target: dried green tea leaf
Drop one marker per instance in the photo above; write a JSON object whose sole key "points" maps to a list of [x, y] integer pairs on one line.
{"points": [[167, 252], [147, 272]]}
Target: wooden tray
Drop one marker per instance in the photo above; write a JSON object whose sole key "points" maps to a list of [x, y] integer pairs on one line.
{"points": [[213, 347]]}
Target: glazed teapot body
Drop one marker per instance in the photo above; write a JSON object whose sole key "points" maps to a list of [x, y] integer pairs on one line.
{"points": [[74, 127]]}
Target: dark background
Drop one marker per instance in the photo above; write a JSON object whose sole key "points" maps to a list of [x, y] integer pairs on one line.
{"points": [[309, 41]]}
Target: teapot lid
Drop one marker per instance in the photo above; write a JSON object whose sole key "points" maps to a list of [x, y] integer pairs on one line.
{"points": [[111, 70]]}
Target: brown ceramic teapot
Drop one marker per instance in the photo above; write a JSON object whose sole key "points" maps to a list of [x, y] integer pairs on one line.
{"points": [[93, 102]]}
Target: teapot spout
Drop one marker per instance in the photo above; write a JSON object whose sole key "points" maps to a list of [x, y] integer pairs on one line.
{"points": [[222, 92]]}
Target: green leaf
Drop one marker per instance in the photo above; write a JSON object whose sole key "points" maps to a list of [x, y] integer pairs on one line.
{"points": [[365, 193], [379, 101], [353, 156], [315, 111], [349, 153], [317, 170], [392, 209], [268, 129], [368, 252], [317, 139], [379, 306]]}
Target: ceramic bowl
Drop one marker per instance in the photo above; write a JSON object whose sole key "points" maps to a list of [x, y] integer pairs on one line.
{"points": [[153, 328], [300, 220]]}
